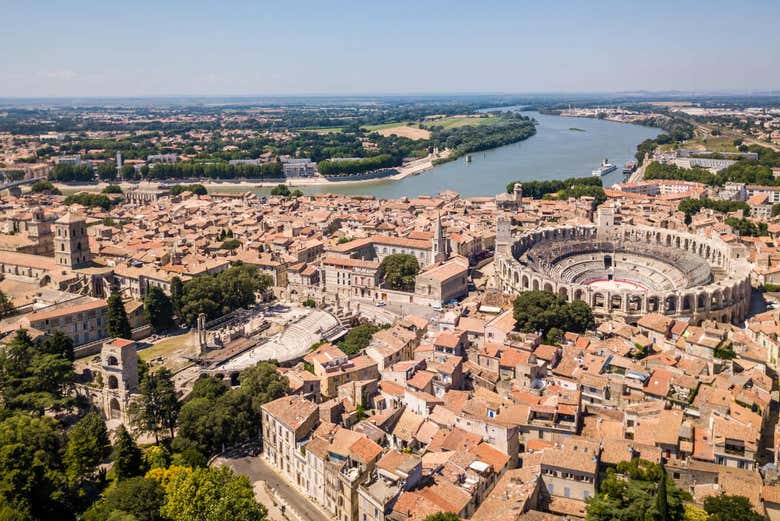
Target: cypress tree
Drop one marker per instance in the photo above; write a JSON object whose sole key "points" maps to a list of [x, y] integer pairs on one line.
{"points": [[661, 501], [128, 460], [118, 324]]}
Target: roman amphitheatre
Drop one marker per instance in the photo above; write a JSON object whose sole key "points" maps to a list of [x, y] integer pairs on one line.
{"points": [[626, 271]]}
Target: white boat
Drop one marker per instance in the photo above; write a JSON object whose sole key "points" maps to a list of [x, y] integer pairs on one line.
{"points": [[605, 168]]}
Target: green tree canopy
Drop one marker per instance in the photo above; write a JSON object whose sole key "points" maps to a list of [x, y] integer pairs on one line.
{"points": [[210, 494], [118, 324], [443, 516], [730, 508], [216, 295], [357, 338], [36, 377], [32, 478], [6, 306], [158, 309], [157, 408], [128, 460], [88, 445], [140, 497], [630, 492], [399, 271], [546, 312]]}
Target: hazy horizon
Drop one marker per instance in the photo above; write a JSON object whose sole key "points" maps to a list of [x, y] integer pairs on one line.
{"points": [[88, 49]]}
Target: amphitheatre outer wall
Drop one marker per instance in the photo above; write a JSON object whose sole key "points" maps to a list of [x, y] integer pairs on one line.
{"points": [[715, 286]]}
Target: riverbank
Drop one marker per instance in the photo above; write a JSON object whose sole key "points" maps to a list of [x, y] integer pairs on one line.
{"points": [[412, 168], [554, 152]]}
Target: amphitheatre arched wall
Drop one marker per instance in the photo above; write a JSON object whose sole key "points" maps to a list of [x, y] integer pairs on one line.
{"points": [[674, 273]]}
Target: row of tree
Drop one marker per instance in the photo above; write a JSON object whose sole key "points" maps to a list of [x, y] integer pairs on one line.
{"points": [[539, 189], [355, 166]]}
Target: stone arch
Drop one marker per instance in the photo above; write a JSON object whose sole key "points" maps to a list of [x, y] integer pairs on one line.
{"points": [[578, 294], [525, 281], [598, 300], [113, 382], [548, 287], [563, 292], [687, 303], [616, 302], [670, 304], [536, 285], [114, 409], [652, 304], [716, 299], [111, 360]]}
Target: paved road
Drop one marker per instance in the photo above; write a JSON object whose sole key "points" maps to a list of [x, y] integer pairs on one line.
{"points": [[256, 469]]}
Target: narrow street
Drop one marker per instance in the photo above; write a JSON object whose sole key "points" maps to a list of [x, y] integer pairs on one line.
{"points": [[256, 469]]}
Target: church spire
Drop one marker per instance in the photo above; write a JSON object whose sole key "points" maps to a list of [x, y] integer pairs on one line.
{"points": [[439, 246]]}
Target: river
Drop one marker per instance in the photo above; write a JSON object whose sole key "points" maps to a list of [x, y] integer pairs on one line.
{"points": [[554, 152]]}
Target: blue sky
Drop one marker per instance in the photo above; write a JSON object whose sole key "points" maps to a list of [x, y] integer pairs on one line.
{"points": [[144, 48]]}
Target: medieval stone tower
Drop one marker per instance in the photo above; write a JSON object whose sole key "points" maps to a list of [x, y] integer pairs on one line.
{"points": [[71, 244], [119, 368]]}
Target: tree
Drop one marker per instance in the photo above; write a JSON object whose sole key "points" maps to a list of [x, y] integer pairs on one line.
{"points": [[399, 271], [60, 344], [41, 187], [263, 383], [6, 306], [210, 426], [113, 189], [216, 295], [88, 445], [280, 190], [631, 491], [158, 309], [210, 494], [32, 478], [730, 508], [358, 338], [106, 171], [32, 378], [157, 408], [208, 387], [177, 289], [138, 496], [661, 500], [128, 460], [230, 244], [118, 324], [442, 516], [544, 311]]}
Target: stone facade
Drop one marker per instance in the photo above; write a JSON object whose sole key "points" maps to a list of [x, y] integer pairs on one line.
{"points": [[676, 273]]}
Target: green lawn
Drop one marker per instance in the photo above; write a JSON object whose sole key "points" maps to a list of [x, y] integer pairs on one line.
{"points": [[460, 121], [384, 126], [166, 348]]}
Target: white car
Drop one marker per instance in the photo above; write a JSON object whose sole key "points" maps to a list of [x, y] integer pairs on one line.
{"points": [[436, 307], [381, 304]]}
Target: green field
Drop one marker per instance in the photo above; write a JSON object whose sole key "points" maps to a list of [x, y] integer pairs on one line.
{"points": [[711, 143], [460, 121], [384, 126], [323, 130]]}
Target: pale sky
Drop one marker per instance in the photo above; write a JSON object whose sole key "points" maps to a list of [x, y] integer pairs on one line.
{"points": [[146, 48]]}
